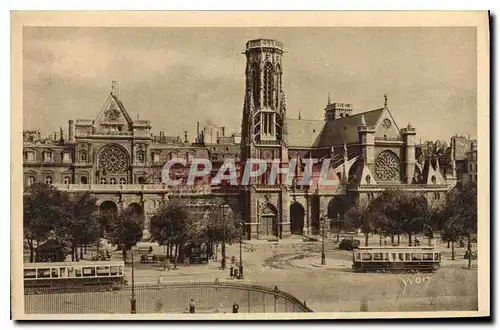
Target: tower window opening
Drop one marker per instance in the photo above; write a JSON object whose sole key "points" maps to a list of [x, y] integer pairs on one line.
{"points": [[268, 85], [256, 85]]}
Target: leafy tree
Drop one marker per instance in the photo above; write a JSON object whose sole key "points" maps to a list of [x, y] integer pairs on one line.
{"points": [[414, 214], [359, 217], [126, 231], [171, 226], [41, 208], [79, 224], [389, 220]]}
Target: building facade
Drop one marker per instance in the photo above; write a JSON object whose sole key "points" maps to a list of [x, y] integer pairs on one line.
{"points": [[120, 160]]}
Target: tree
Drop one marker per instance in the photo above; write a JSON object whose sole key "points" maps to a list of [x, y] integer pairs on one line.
{"points": [[126, 230], [387, 206], [171, 226], [414, 214], [461, 206], [222, 224], [79, 224], [41, 208], [359, 217]]}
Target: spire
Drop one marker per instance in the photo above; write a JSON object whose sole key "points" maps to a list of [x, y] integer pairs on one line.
{"points": [[363, 121], [114, 88], [385, 100], [344, 168], [329, 101], [345, 151]]}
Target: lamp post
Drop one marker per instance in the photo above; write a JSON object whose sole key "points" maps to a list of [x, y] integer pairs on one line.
{"points": [[323, 223], [223, 261], [132, 296], [338, 227], [240, 273]]}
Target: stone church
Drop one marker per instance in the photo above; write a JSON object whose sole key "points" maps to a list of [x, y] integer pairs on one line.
{"points": [[119, 159]]}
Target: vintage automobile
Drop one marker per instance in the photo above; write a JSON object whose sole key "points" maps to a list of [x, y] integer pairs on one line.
{"points": [[396, 259], [349, 244]]}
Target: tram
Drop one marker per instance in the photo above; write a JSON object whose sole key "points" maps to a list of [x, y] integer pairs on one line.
{"points": [[396, 259], [73, 276]]}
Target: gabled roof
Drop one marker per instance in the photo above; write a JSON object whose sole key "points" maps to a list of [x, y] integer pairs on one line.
{"points": [[318, 133], [112, 102]]}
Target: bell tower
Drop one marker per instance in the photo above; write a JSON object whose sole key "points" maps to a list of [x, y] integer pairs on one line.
{"points": [[264, 106]]}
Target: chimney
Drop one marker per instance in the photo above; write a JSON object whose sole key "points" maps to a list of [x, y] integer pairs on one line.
{"points": [[197, 128], [61, 134], [223, 129], [55, 136], [71, 132], [186, 136]]}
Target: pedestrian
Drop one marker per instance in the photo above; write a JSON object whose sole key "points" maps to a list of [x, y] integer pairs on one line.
{"points": [[231, 271], [236, 308], [235, 273], [150, 249], [160, 280], [192, 306]]}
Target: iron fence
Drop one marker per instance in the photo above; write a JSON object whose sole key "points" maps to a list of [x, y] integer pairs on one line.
{"points": [[173, 298]]}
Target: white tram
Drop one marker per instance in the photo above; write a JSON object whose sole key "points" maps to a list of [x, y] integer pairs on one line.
{"points": [[396, 259], [73, 276]]}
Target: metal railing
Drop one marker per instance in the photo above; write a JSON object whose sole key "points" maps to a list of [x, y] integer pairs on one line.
{"points": [[173, 298]]}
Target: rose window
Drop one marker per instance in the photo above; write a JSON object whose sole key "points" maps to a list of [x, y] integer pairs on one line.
{"points": [[113, 159], [387, 166]]}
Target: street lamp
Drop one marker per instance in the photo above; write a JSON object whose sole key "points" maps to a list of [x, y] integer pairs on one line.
{"points": [[323, 223], [338, 227], [223, 261], [132, 296], [240, 273]]}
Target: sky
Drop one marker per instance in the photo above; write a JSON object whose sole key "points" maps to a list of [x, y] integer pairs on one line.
{"points": [[177, 76]]}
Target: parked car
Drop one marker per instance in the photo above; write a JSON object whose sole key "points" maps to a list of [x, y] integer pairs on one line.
{"points": [[349, 244]]}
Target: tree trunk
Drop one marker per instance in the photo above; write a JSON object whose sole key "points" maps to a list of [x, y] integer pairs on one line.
{"points": [[72, 253], [469, 249], [176, 249], [380, 240], [448, 244], [85, 249], [452, 249], [124, 254], [32, 250], [398, 239], [366, 238], [392, 239], [81, 252], [409, 239]]}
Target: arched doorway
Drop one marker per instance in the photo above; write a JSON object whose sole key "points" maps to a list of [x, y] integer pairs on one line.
{"points": [[297, 218], [269, 221], [108, 207], [336, 210], [135, 208]]}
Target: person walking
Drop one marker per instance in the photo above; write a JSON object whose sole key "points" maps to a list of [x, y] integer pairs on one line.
{"points": [[231, 271], [235, 273], [192, 306]]}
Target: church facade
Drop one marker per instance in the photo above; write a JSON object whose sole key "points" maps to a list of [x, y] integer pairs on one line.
{"points": [[120, 160]]}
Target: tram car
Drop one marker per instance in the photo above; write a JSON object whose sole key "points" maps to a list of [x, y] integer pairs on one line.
{"points": [[396, 259], [73, 276]]}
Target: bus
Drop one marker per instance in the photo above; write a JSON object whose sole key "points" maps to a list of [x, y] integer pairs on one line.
{"points": [[73, 276], [396, 259]]}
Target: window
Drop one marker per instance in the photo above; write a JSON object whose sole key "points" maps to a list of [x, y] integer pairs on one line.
{"points": [[256, 84], [428, 256], [29, 273], [31, 180], [83, 156], [358, 256], [401, 257], [189, 157], [140, 180], [48, 157], [30, 156], [120, 270], [437, 256], [88, 271], [112, 181], [408, 256], [416, 256], [123, 181], [65, 157], [156, 157], [67, 180], [48, 180], [378, 256], [140, 156], [103, 181], [268, 85], [83, 180], [44, 273], [368, 179], [102, 271], [366, 256], [78, 272], [55, 272]]}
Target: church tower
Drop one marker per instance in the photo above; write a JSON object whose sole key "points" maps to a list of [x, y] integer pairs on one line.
{"points": [[263, 122]]}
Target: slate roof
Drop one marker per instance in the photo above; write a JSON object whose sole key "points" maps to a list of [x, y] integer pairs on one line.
{"points": [[318, 133]]}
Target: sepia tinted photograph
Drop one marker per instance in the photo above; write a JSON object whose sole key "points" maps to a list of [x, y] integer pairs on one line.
{"points": [[250, 171]]}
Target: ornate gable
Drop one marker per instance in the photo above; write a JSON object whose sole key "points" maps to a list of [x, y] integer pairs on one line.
{"points": [[113, 117]]}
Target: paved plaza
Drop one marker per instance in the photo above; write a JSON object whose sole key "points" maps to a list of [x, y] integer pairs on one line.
{"points": [[295, 267]]}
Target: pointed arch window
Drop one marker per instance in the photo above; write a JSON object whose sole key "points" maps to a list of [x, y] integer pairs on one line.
{"points": [[31, 180], [256, 84], [268, 85], [67, 180], [278, 84]]}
